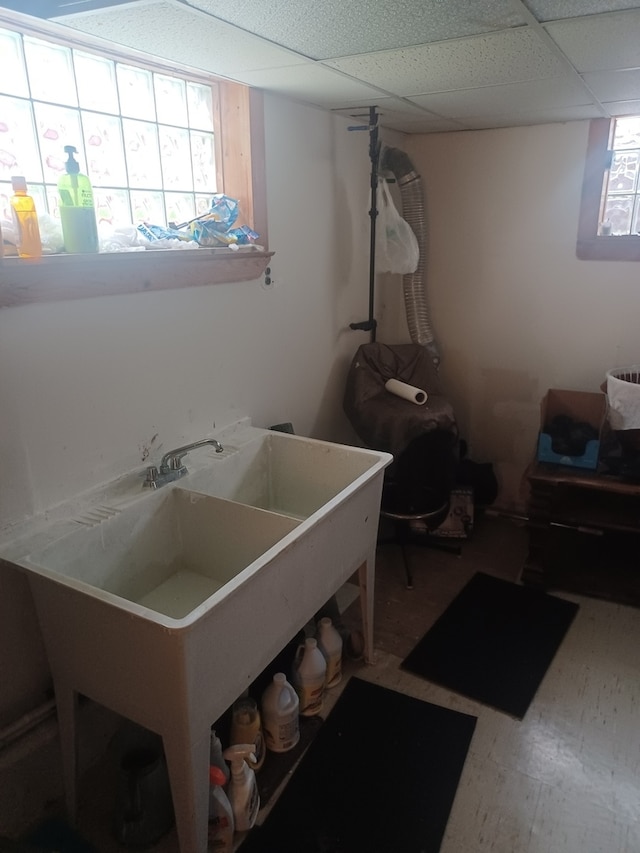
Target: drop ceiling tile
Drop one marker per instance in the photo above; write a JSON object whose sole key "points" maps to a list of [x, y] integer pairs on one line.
{"points": [[600, 44], [172, 31], [551, 10], [614, 85], [396, 114], [426, 125], [532, 117], [506, 74], [332, 28], [553, 93], [622, 108], [386, 107], [393, 114], [312, 83], [508, 56]]}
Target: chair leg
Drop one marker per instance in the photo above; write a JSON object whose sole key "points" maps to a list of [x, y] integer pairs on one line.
{"points": [[402, 538], [407, 567]]}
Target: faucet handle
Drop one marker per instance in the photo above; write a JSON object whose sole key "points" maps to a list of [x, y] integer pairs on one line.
{"points": [[175, 461], [151, 481]]}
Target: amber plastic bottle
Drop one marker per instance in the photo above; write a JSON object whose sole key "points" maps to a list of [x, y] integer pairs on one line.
{"points": [[246, 727], [25, 218]]}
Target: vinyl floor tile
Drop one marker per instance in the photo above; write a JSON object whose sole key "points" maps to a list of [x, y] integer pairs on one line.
{"points": [[565, 779]]}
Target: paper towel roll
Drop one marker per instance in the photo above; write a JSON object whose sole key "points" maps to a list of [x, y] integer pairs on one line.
{"points": [[407, 392]]}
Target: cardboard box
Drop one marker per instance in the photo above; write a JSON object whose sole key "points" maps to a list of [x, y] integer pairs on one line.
{"points": [[580, 407]]}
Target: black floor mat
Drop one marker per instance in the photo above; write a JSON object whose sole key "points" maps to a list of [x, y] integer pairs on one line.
{"points": [[54, 835], [380, 776], [278, 765], [494, 643]]}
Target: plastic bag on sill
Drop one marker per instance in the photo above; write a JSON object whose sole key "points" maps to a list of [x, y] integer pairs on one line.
{"points": [[224, 210], [397, 249], [50, 234]]}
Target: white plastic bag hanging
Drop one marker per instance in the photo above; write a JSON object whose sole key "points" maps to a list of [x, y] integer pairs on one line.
{"points": [[397, 248]]}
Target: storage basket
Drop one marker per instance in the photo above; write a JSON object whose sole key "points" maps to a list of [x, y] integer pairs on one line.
{"points": [[623, 393], [626, 374]]}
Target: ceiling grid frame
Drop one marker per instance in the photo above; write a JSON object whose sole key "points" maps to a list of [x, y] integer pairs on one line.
{"points": [[495, 63]]}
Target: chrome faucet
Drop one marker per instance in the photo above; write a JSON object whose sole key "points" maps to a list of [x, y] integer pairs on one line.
{"points": [[171, 467]]}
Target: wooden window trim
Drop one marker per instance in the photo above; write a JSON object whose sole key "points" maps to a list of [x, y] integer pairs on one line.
{"points": [[591, 246], [82, 276], [240, 158]]}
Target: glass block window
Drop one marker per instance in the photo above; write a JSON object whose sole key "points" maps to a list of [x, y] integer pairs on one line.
{"points": [[144, 137], [621, 192]]}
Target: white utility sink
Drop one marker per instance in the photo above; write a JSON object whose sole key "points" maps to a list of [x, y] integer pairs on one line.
{"points": [[164, 605], [282, 473], [168, 553]]}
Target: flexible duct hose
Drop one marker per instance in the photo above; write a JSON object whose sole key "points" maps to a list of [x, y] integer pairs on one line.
{"points": [[414, 284]]}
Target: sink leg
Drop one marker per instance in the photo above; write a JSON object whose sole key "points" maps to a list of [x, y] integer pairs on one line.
{"points": [[188, 765], [67, 706], [366, 580]]}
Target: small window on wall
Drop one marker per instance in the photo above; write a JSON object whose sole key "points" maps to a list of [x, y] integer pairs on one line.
{"points": [[609, 226], [621, 194], [157, 140], [145, 137]]}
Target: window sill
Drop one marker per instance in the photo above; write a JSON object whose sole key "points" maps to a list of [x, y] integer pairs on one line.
{"points": [[58, 277], [609, 249]]}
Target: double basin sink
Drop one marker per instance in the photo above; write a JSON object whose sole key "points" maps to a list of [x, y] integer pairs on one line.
{"points": [[173, 548], [165, 604]]}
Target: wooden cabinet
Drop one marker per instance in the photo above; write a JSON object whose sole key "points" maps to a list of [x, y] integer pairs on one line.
{"points": [[584, 533]]}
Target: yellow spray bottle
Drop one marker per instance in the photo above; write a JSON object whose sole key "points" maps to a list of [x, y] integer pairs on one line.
{"points": [[77, 211]]}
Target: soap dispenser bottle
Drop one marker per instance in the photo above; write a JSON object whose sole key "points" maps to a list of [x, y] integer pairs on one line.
{"points": [[77, 211], [243, 788]]}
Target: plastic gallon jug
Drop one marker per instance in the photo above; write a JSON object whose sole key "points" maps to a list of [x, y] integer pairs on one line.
{"points": [[77, 211], [309, 676], [280, 709], [246, 727], [330, 644]]}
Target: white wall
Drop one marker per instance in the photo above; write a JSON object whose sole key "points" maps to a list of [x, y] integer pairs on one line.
{"points": [[92, 388], [514, 312]]}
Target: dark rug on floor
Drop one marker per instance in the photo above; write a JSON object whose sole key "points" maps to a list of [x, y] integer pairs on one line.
{"points": [[56, 836], [277, 765], [494, 643], [380, 776]]}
